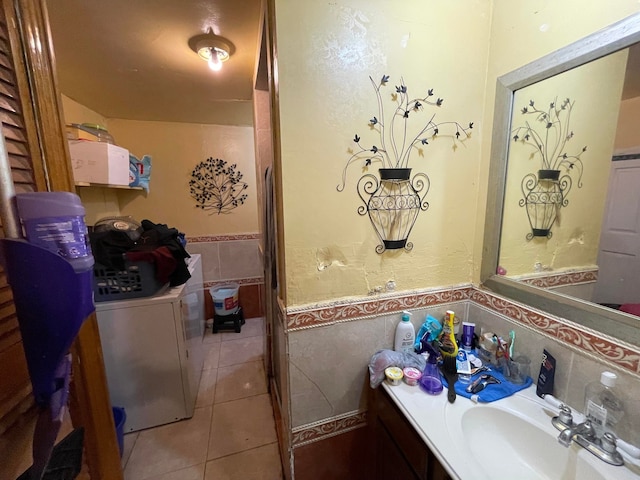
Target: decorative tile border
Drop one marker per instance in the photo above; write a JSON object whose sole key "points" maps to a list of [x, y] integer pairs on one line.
{"points": [[241, 281], [224, 238], [595, 344], [552, 280], [320, 315], [328, 427]]}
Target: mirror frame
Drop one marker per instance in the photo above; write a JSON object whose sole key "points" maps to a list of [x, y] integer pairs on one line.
{"points": [[611, 322]]}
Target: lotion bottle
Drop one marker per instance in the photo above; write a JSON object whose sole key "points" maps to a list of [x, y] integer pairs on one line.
{"points": [[405, 334], [602, 404]]}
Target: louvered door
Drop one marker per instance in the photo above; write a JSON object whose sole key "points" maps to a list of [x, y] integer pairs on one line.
{"points": [[35, 142], [15, 387]]}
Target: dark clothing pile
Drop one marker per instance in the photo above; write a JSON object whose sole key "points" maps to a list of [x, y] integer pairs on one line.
{"points": [[157, 244]]}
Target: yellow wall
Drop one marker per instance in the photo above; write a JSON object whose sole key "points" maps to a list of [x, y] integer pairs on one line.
{"points": [[98, 202], [75, 112], [522, 32], [595, 91], [628, 133], [326, 52], [175, 149]]}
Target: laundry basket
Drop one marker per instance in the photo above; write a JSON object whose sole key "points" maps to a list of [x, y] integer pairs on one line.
{"points": [[137, 279]]}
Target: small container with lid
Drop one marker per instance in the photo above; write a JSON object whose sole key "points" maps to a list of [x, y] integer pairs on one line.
{"points": [[411, 376], [394, 375]]}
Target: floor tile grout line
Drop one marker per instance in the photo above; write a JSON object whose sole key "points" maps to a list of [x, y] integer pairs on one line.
{"points": [[243, 451], [241, 398]]}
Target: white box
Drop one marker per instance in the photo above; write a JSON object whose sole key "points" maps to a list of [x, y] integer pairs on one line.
{"points": [[99, 162]]}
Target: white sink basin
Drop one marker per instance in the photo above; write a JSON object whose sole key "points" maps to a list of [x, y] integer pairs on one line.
{"points": [[505, 445], [514, 439], [511, 439]]}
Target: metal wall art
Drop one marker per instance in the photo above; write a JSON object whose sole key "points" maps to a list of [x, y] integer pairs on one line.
{"points": [[548, 135], [393, 199], [217, 187]]}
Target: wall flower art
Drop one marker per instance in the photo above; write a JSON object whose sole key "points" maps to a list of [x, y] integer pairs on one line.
{"points": [[217, 187]]}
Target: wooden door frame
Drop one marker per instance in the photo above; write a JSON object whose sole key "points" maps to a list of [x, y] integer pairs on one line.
{"points": [[34, 61]]}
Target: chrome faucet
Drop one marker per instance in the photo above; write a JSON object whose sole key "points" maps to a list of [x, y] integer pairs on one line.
{"points": [[585, 429], [585, 435]]}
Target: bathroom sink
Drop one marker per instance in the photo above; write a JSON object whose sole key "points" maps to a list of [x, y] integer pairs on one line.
{"points": [[509, 439], [514, 438], [506, 445]]}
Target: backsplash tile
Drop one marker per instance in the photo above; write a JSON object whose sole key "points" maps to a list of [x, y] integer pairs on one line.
{"points": [[328, 368], [551, 279], [309, 316], [590, 342], [232, 258], [210, 260], [239, 259], [323, 336]]}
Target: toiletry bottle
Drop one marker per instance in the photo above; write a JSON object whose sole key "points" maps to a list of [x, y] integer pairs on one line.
{"points": [[447, 338], [405, 334], [602, 404]]}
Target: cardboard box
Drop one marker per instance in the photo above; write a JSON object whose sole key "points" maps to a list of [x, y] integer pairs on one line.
{"points": [[99, 162]]}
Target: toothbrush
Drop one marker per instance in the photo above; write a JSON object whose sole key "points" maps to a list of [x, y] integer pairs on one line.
{"points": [[512, 336]]}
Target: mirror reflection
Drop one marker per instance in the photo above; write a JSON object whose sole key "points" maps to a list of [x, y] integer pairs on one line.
{"points": [[576, 231]]}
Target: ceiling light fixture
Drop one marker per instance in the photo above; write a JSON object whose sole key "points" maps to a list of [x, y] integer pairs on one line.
{"points": [[212, 48]]}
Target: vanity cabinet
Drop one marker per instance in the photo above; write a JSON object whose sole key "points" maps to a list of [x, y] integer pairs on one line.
{"points": [[398, 450]]}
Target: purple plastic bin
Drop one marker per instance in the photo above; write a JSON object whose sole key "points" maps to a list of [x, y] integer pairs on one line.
{"points": [[51, 300]]}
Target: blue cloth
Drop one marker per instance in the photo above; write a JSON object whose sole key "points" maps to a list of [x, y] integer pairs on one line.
{"points": [[493, 391]]}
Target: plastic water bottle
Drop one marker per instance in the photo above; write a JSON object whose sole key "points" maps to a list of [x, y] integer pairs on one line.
{"points": [[603, 405]]}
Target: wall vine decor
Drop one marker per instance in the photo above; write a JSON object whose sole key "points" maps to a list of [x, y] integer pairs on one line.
{"points": [[548, 136], [393, 199], [216, 186]]}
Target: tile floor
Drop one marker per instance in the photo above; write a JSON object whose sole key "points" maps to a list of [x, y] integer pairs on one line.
{"points": [[232, 432]]}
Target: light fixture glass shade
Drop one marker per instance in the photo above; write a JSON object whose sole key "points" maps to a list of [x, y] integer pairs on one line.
{"points": [[212, 48]]}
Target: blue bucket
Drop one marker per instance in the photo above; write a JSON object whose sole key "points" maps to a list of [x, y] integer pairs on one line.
{"points": [[119, 417]]}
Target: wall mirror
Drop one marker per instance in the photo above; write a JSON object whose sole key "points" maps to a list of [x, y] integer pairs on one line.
{"points": [[568, 270]]}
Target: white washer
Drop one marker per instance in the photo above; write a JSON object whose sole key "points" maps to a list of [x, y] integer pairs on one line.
{"points": [[152, 349]]}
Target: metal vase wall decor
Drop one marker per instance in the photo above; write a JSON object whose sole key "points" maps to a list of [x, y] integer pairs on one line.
{"points": [[217, 187], [546, 193], [394, 199], [393, 204], [543, 195]]}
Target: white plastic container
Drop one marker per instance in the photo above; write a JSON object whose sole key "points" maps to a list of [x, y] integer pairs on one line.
{"points": [[405, 334], [602, 404], [225, 298]]}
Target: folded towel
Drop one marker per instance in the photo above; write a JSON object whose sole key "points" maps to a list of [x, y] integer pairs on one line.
{"points": [[493, 391]]}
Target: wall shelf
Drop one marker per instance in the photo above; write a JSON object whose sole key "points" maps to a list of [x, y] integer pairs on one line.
{"points": [[106, 185]]}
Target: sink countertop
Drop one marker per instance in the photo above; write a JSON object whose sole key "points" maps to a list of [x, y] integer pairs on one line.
{"points": [[429, 416]]}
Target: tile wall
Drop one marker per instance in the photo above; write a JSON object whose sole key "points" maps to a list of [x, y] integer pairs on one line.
{"points": [[330, 346], [232, 258]]}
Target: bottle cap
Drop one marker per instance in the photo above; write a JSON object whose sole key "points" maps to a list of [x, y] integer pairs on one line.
{"points": [[608, 379], [406, 316]]}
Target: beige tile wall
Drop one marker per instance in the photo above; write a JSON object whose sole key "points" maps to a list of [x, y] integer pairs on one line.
{"points": [[574, 368], [328, 365], [228, 259], [328, 373]]}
